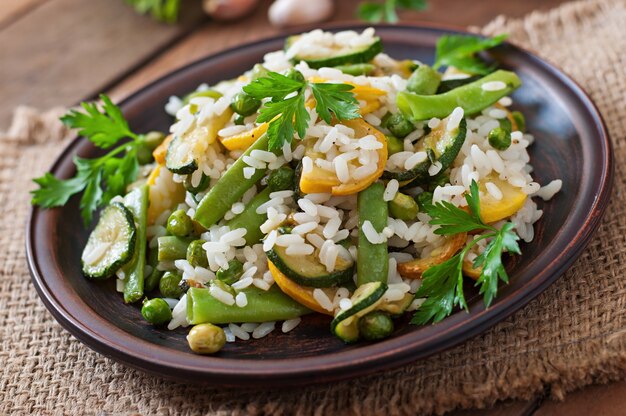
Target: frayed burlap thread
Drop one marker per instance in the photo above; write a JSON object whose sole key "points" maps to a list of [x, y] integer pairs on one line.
{"points": [[571, 335]]}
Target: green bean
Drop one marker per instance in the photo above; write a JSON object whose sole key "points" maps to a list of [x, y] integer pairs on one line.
{"points": [[196, 254], [206, 339], [244, 104], [152, 281], [372, 259], [263, 306], [357, 69], [397, 124], [250, 220], [394, 145], [229, 188], [424, 80], [172, 248], [520, 120], [137, 202], [169, 285], [232, 274], [403, 207], [450, 84], [375, 325], [179, 223], [471, 97], [156, 311], [281, 179]]}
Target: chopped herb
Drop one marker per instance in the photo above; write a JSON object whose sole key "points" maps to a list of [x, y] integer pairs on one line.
{"points": [[102, 178], [387, 11], [162, 10], [286, 111], [460, 52], [442, 285]]}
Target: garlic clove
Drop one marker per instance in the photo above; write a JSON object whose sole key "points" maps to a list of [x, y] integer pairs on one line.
{"points": [[228, 9], [298, 12]]}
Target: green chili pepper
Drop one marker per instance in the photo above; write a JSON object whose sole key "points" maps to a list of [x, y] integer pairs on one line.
{"points": [[263, 306], [471, 97], [229, 188], [372, 259], [424, 80]]}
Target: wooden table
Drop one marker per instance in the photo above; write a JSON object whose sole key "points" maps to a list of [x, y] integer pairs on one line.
{"points": [[58, 52]]}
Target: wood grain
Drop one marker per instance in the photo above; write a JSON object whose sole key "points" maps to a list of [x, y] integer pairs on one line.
{"points": [[65, 50], [214, 37], [12, 10]]}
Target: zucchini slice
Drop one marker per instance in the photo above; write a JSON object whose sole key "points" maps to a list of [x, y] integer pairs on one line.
{"points": [[398, 307], [111, 244], [308, 271], [343, 56], [180, 158], [441, 144], [365, 299]]}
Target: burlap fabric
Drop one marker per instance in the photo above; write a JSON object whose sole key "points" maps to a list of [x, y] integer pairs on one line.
{"points": [[571, 335]]}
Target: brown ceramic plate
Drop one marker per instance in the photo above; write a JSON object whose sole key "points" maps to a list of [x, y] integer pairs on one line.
{"points": [[572, 144]]}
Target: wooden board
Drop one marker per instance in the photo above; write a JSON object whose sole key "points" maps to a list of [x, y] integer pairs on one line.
{"points": [[65, 50]]}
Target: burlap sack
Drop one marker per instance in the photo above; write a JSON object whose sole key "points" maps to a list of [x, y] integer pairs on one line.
{"points": [[571, 335]]}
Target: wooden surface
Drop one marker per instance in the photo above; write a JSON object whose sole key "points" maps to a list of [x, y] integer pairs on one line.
{"points": [[56, 52]]}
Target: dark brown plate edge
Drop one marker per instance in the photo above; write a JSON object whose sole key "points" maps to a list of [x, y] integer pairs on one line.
{"points": [[386, 355]]}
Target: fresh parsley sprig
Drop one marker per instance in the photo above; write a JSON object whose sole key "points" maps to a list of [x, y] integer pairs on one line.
{"points": [[102, 178], [162, 10], [286, 111], [387, 11], [442, 285], [460, 52]]}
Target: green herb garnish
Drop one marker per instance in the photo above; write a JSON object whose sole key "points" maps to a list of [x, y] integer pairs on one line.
{"points": [[460, 52], [162, 10], [387, 11], [442, 284], [102, 178], [286, 111]]}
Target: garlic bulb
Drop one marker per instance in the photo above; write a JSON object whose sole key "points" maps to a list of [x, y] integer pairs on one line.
{"points": [[298, 12], [228, 9]]}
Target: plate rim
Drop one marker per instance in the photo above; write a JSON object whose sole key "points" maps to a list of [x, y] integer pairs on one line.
{"points": [[331, 366]]}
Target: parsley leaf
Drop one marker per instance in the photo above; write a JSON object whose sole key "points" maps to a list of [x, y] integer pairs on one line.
{"points": [[99, 179], [442, 285], [387, 11], [162, 10], [335, 98], [459, 51], [286, 111]]}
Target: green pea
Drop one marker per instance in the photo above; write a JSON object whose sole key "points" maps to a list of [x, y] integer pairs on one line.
{"points": [[156, 311], [206, 339], [179, 224], [520, 120], [424, 200], [169, 285], [144, 154], [375, 325], [148, 142], [204, 183], [232, 274], [244, 104], [398, 125], [239, 120], [281, 179], [500, 138], [403, 207], [394, 145], [153, 139], [196, 255]]}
